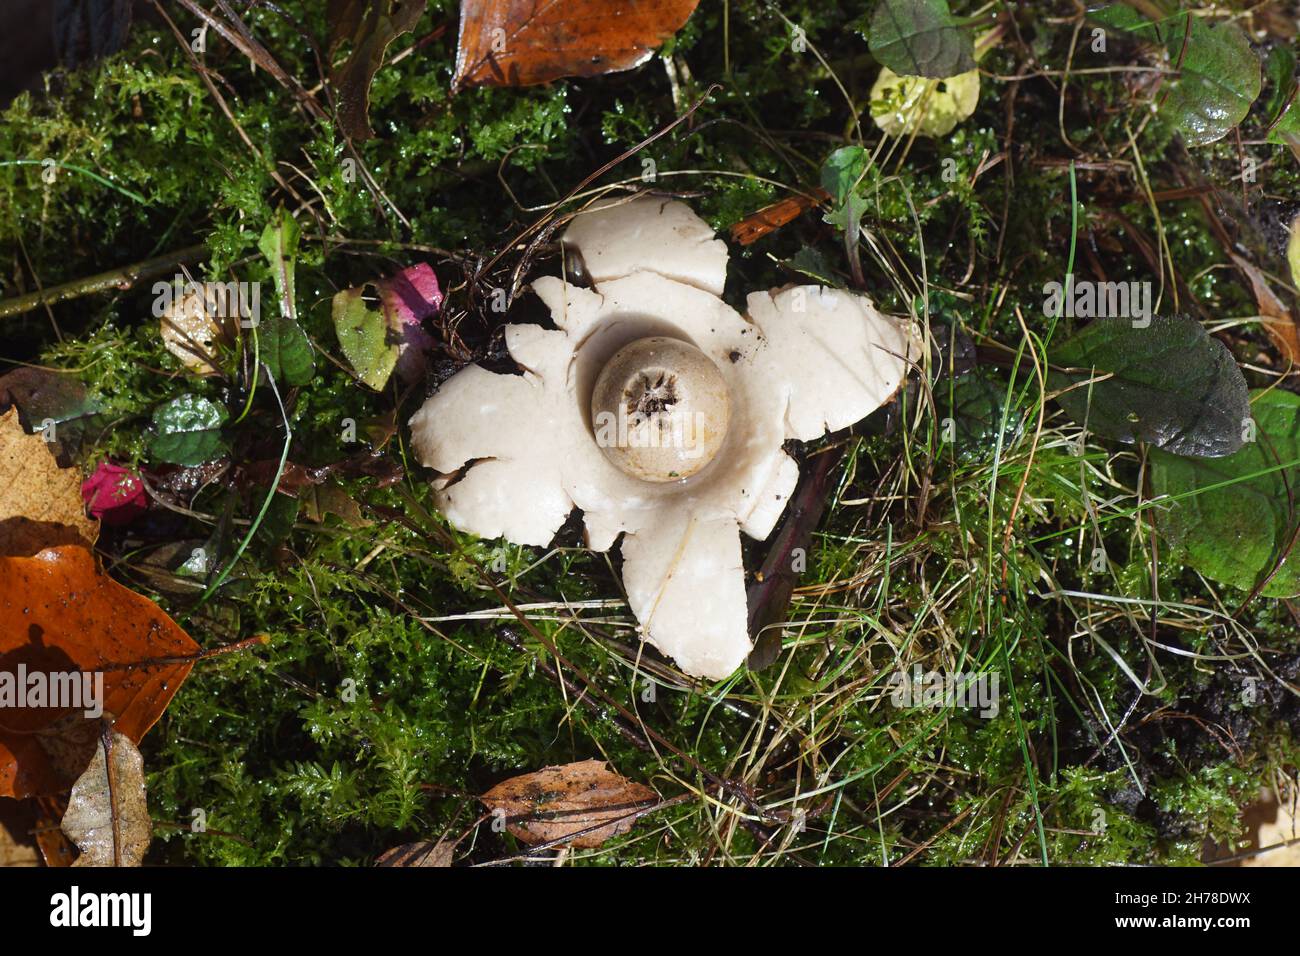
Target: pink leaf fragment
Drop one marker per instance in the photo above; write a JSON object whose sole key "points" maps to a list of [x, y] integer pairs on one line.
{"points": [[114, 494], [408, 299]]}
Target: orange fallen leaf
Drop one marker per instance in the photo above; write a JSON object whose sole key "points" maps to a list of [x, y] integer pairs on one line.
{"points": [[523, 42], [773, 216], [582, 804], [40, 503], [61, 616]]}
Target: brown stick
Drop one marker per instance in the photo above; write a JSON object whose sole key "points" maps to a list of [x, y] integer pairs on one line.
{"points": [[114, 280]]}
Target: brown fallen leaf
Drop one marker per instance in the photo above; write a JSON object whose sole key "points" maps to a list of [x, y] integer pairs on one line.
{"points": [[40, 503], [523, 42], [17, 843], [1279, 324], [423, 854], [331, 499], [63, 618], [775, 215], [56, 848], [582, 804], [108, 812], [371, 27]]}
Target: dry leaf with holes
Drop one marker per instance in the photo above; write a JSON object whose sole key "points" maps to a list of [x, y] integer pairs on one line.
{"points": [[108, 812], [40, 503], [582, 804]]}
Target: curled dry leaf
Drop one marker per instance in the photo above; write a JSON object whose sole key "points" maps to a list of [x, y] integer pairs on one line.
{"points": [[193, 323], [370, 27], [40, 503], [1278, 323], [523, 42], [582, 804], [60, 616], [108, 812]]}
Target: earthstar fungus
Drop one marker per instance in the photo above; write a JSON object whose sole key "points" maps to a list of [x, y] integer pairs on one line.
{"points": [[660, 411]]}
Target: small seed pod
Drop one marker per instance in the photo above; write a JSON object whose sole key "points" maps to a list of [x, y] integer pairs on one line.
{"points": [[660, 409]]}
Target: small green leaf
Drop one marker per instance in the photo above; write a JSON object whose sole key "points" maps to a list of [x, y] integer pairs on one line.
{"points": [[842, 169], [1233, 517], [282, 345], [363, 333], [971, 414], [1120, 16], [1219, 79], [1170, 384], [279, 243], [847, 217], [920, 38], [1218, 74], [813, 264], [187, 431], [286, 350], [1279, 70]]}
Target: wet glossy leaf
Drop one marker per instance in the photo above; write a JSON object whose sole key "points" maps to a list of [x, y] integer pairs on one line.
{"points": [[974, 409], [920, 38], [522, 42], [1234, 517], [1219, 79], [1170, 384], [1218, 75], [61, 615], [363, 333], [561, 802], [187, 431]]}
